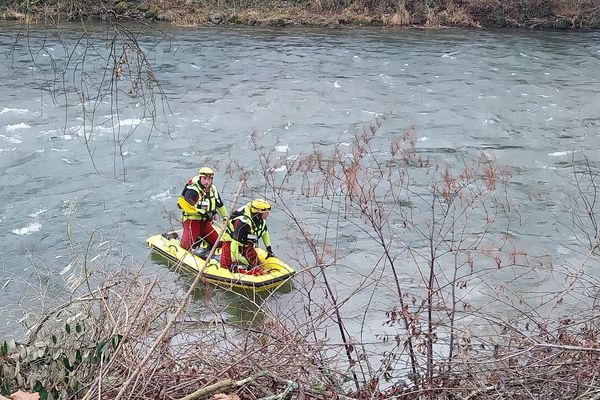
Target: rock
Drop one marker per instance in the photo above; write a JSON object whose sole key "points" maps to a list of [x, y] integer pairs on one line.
{"points": [[216, 18], [279, 22]]}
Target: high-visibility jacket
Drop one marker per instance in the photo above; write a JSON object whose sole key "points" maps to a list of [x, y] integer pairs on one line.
{"points": [[256, 226], [208, 204]]}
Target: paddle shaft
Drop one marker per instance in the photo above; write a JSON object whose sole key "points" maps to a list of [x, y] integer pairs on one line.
{"points": [[179, 310]]}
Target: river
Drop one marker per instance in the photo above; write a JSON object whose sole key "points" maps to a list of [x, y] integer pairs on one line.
{"points": [[527, 99]]}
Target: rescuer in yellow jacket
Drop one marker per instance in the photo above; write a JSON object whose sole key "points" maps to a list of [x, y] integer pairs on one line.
{"points": [[238, 252], [200, 193]]}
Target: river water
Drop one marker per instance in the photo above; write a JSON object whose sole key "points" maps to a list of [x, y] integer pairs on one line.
{"points": [[528, 100]]}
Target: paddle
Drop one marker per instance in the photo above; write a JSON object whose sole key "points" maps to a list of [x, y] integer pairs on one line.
{"points": [[185, 206], [184, 303]]}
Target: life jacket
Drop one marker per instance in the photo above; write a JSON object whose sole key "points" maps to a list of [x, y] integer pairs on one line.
{"points": [[206, 206], [243, 210], [257, 230]]}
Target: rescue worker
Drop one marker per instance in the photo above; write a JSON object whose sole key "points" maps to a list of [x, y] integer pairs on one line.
{"points": [[204, 197], [239, 242]]}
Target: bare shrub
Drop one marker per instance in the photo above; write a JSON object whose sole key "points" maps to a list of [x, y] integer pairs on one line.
{"points": [[400, 17], [455, 15], [577, 12], [453, 229], [429, 303], [90, 80]]}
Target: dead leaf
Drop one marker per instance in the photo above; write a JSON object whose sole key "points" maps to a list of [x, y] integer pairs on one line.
{"points": [[223, 396], [20, 395]]}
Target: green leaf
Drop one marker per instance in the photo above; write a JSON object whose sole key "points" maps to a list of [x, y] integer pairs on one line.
{"points": [[38, 386], [116, 339], [68, 328], [5, 389], [67, 363], [10, 346], [78, 327], [100, 348]]}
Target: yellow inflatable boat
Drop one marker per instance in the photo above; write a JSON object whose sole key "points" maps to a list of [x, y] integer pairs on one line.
{"points": [[277, 272]]}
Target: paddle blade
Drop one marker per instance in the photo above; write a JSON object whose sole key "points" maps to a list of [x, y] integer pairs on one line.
{"points": [[185, 206]]}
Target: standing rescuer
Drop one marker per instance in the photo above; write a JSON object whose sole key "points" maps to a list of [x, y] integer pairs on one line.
{"points": [[239, 242], [203, 196]]}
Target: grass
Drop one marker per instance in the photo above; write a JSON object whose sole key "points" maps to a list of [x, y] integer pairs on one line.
{"points": [[566, 14]]}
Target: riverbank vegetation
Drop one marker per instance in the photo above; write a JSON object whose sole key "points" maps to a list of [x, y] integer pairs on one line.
{"points": [[561, 14], [444, 312]]}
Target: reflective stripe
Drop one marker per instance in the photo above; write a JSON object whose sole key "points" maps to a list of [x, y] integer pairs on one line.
{"points": [[245, 216], [255, 231], [207, 204]]}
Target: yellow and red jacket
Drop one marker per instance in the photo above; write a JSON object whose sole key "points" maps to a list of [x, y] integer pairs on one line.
{"points": [[207, 201]]}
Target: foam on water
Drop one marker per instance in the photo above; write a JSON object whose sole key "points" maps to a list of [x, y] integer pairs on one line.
{"points": [[11, 139], [282, 149], [375, 114], [560, 153], [28, 230], [14, 110], [161, 196], [103, 129], [35, 214], [130, 122], [14, 127]]}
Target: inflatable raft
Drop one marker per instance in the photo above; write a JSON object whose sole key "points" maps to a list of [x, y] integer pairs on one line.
{"points": [[276, 273]]}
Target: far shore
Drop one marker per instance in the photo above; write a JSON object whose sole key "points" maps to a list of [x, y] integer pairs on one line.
{"points": [[529, 14]]}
